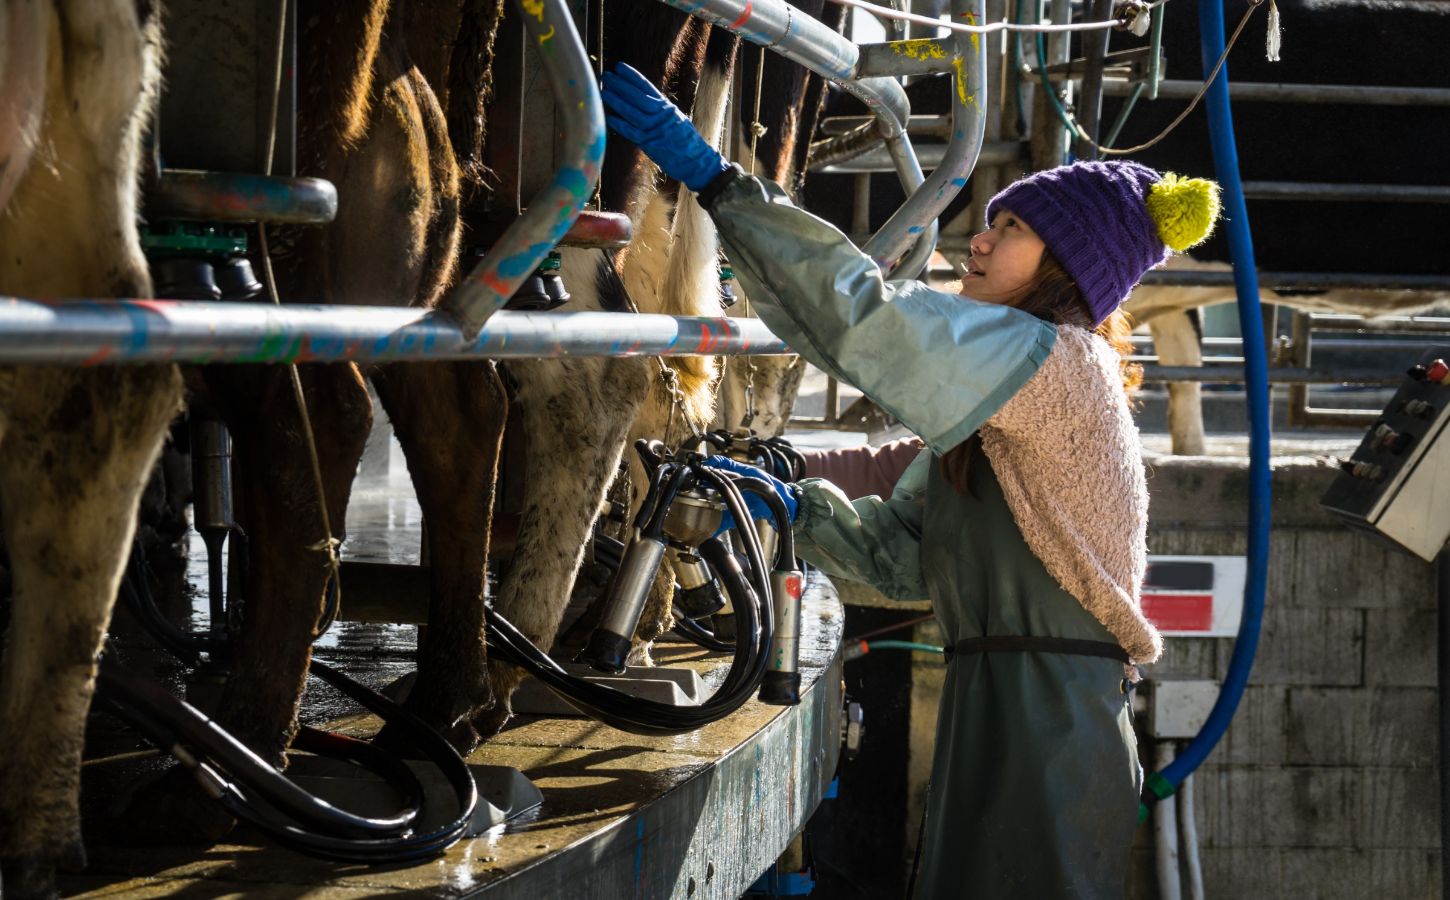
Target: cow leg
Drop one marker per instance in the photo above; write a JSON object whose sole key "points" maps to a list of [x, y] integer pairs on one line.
{"points": [[277, 506], [449, 418], [286, 576], [78, 444], [577, 413], [1176, 341], [77, 452]]}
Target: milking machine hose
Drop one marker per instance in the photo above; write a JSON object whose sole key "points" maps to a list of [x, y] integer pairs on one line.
{"points": [[750, 597], [340, 835], [246, 785], [701, 636], [1241, 248]]}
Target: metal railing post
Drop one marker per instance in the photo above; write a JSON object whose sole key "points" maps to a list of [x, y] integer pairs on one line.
{"points": [[528, 240]]}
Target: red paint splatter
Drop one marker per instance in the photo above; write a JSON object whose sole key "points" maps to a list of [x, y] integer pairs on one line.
{"points": [[744, 16]]}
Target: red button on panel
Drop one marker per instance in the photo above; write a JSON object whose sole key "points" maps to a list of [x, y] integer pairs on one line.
{"points": [[1438, 371]]}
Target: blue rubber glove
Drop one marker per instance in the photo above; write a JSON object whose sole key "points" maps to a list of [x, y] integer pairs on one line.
{"points": [[636, 110], [756, 504]]}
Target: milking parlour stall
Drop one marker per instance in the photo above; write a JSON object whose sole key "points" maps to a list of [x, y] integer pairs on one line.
{"points": [[404, 488]]}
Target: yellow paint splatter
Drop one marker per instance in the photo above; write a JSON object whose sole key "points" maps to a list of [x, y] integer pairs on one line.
{"points": [[971, 18], [960, 65], [919, 48], [535, 8], [544, 38]]}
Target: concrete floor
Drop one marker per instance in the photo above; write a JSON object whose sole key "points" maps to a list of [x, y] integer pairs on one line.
{"points": [[694, 815]]}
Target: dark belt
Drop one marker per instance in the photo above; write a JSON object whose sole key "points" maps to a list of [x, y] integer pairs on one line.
{"points": [[1031, 644]]}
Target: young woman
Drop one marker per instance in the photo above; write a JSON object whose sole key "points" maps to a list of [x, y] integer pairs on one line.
{"points": [[1023, 520]]}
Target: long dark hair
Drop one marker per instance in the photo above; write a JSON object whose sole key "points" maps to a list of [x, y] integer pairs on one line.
{"points": [[1051, 296]]}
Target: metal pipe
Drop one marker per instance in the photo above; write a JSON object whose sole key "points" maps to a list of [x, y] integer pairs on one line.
{"points": [[1363, 193], [969, 106], [1178, 89], [930, 155], [239, 197], [920, 56], [901, 231], [1281, 376], [1155, 57], [528, 240], [1095, 43], [804, 40], [1059, 50], [94, 332], [1306, 281], [1372, 344], [1386, 324]]}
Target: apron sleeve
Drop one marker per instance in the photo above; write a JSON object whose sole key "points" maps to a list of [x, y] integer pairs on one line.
{"points": [[940, 363], [869, 540]]}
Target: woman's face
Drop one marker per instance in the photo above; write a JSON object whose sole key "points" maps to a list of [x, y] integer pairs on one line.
{"points": [[1004, 259]]}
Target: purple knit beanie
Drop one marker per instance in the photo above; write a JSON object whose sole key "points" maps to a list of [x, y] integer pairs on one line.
{"points": [[1094, 218]]}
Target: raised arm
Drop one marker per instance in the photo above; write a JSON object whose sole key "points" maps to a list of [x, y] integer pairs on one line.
{"points": [[940, 363]]}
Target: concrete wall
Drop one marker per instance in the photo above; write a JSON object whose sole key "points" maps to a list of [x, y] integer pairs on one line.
{"points": [[1326, 784]]}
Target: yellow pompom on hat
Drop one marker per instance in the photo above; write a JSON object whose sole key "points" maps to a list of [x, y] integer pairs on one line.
{"points": [[1109, 222], [1184, 209]]}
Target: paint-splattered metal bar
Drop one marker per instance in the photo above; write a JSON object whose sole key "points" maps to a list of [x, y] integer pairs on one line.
{"points": [[105, 332], [550, 213], [967, 61]]}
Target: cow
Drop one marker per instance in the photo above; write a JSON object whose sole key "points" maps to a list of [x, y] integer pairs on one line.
{"points": [[1341, 42], [389, 109], [579, 415], [605, 414], [78, 83]]}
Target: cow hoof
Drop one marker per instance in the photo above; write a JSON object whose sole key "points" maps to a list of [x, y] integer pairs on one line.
{"points": [[172, 810], [492, 720], [396, 739]]}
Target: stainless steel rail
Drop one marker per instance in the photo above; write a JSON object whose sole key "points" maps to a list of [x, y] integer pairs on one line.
{"points": [[96, 332]]}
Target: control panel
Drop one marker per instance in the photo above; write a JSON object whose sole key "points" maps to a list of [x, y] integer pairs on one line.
{"points": [[1398, 481]]}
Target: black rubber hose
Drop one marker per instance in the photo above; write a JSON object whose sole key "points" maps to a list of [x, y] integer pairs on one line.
{"points": [[203, 738], [634, 715], [765, 491], [797, 460], [136, 594], [620, 710], [697, 634], [655, 527], [656, 484], [406, 848]]}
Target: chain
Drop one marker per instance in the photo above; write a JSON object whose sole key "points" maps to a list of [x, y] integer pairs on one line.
{"points": [[757, 131], [671, 380], [329, 544]]}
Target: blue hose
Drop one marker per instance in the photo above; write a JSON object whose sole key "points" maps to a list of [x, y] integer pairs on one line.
{"points": [[1246, 283]]}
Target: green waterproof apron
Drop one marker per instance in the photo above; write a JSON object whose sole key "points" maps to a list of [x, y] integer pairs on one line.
{"points": [[1035, 777]]}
